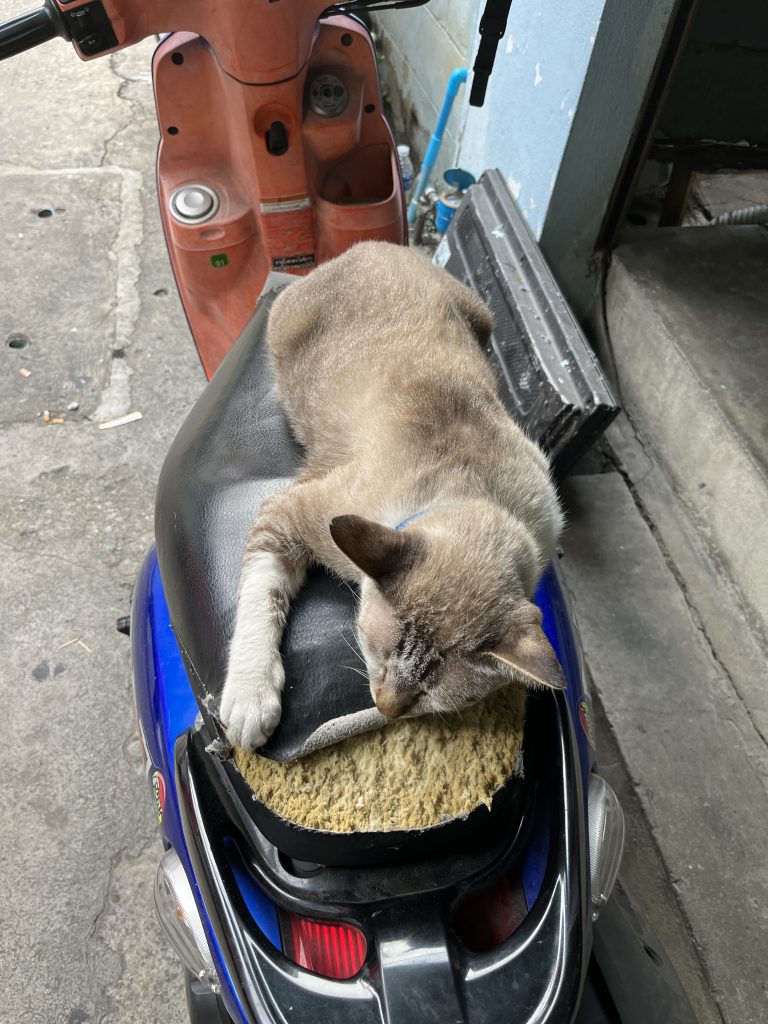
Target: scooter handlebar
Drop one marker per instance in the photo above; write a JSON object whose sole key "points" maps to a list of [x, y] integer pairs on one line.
{"points": [[31, 29]]}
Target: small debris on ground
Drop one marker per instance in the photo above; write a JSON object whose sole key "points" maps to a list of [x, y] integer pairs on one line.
{"points": [[79, 643], [131, 417], [46, 416], [24, 372], [73, 406], [58, 420]]}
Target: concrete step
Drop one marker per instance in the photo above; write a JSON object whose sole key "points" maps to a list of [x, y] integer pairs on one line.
{"points": [[687, 312], [644, 874], [687, 749]]}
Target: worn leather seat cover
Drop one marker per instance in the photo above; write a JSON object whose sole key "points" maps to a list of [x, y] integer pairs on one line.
{"points": [[234, 450]]}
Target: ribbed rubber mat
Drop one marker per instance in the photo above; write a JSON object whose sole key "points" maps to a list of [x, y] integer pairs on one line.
{"points": [[551, 381]]}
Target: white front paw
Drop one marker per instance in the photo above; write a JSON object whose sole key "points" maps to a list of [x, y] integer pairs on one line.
{"points": [[251, 705]]}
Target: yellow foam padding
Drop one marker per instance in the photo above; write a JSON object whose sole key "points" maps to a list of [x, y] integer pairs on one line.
{"points": [[409, 775]]}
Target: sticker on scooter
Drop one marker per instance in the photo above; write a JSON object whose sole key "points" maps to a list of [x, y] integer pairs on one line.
{"points": [[158, 795], [285, 204], [220, 260], [306, 259], [585, 717]]}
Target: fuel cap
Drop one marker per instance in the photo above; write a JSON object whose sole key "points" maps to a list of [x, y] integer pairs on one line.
{"points": [[328, 96], [193, 204]]}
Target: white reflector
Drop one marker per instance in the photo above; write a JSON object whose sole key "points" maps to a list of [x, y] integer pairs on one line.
{"points": [[606, 840], [178, 914]]}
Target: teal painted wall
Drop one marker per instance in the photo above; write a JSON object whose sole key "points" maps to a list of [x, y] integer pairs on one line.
{"points": [[566, 94], [629, 41], [532, 99]]}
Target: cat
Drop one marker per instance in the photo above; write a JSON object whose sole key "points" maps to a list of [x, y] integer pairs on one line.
{"points": [[418, 486]]}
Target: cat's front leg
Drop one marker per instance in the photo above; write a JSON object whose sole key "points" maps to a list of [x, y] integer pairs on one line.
{"points": [[251, 699]]}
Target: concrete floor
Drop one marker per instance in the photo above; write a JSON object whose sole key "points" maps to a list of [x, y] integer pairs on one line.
{"points": [[90, 292], [715, 194]]}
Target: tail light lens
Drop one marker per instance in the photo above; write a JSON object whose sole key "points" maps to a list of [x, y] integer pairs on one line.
{"points": [[330, 948]]}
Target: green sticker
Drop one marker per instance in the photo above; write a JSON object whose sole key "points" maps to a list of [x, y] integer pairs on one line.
{"points": [[220, 259]]}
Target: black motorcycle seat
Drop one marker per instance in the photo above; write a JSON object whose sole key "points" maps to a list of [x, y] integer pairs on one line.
{"points": [[233, 451]]}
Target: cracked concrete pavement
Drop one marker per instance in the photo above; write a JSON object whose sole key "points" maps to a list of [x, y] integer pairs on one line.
{"points": [[89, 291]]}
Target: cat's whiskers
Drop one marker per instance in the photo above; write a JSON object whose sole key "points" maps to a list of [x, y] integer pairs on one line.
{"points": [[446, 723], [456, 709], [359, 671], [351, 589], [356, 653]]}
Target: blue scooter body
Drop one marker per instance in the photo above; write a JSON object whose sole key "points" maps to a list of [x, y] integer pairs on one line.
{"points": [[167, 710]]}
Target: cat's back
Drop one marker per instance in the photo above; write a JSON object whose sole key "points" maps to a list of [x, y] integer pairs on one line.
{"points": [[377, 315], [363, 282], [379, 354], [373, 291]]}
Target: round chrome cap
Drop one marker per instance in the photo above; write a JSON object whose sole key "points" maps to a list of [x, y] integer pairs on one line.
{"points": [[194, 204]]}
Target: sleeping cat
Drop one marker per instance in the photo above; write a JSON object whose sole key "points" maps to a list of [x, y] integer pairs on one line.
{"points": [[417, 485]]}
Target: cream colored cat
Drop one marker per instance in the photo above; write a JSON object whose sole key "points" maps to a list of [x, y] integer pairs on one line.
{"points": [[417, 485]]}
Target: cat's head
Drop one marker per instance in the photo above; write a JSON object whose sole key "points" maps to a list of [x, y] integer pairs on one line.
{"points": [[444, 620]]}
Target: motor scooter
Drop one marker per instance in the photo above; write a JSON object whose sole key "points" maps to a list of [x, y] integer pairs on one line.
{"points": [[275, 155]]}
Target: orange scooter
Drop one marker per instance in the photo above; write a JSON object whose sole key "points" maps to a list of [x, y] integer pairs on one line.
{"points": [[274, 152]]}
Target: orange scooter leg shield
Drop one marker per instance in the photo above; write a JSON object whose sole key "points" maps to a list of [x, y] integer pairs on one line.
{"points": [[254, 178]]}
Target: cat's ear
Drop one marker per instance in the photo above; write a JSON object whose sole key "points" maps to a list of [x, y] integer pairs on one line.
{"points": [[527, 651], [377, 550]]}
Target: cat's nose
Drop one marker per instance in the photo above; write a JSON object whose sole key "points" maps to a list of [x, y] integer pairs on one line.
{"points": [[391, 704]]}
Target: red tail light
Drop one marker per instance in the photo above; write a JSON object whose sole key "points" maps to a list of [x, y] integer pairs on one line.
{"points": [[329, 948]]}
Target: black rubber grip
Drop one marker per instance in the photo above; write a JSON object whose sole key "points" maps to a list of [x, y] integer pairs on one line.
{"points": [[30, 30]]}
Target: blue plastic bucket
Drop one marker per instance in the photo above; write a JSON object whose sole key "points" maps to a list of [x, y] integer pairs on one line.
{"points": [[445, 207]]}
